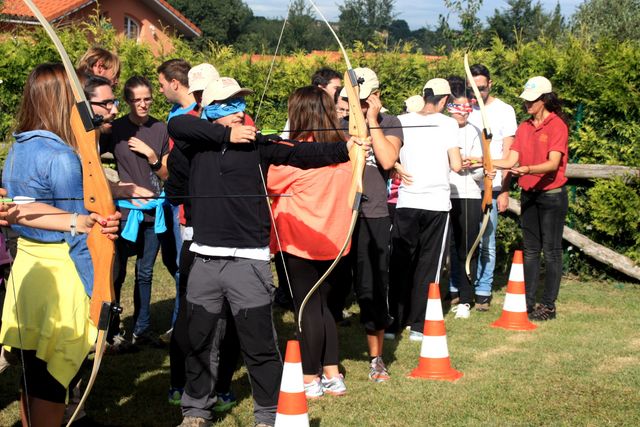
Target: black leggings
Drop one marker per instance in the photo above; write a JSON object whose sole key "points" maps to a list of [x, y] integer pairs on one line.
{"points": [[319, 340], [39, 382]]}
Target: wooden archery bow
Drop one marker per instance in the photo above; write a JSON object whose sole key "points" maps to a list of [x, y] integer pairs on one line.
{"points": [[487, 199], [357, 155], [98, 199]]}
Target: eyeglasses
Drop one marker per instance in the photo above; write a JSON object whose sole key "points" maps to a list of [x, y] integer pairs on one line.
{"points": [[107, 104], [141, 100]]}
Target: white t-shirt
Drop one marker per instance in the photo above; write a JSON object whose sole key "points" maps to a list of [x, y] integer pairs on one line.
{"points": [[503, 124], [466, 183], [424, 155]]}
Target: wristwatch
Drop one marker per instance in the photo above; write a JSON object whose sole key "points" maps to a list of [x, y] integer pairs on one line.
{"points": [[156, 166]]}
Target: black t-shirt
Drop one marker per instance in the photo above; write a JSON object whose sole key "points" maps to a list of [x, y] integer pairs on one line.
{"points": [[134, 167], [375, 178]]}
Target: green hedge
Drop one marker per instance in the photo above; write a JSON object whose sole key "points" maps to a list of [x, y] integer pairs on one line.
{"points": [[598, 81]]}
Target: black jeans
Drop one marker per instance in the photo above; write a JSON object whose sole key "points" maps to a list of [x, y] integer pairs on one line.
{"points": [[542, 222], [466, 215], [417, 245]]}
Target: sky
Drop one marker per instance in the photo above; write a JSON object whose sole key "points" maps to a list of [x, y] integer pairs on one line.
{"points": [[417, 13]]}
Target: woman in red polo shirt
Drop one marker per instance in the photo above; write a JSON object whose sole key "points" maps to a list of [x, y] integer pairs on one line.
{"points": [[541, 151], [311, 226]]}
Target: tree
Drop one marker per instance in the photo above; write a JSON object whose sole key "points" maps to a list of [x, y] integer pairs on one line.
{"points": [[304, 31], [399, 31], [618, 20], [361, 19], [221, 21], [524, 21], [470, 34]]}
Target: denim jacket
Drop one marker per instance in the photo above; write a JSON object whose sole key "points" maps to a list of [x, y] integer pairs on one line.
{"points": [[41, 165]]}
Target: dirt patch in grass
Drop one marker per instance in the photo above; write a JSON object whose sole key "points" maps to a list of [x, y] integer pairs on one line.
{"points": [[496, 351], [522, 337], [617, 364], [581, 307]]}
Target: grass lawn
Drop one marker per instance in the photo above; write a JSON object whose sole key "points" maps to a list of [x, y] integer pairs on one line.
{"points": [[581, 369]]}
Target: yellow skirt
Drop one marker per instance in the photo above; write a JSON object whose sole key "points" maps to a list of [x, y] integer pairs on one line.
{"points": [[47, 310]]}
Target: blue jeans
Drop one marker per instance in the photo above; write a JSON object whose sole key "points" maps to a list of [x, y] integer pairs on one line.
{"points": [[145, 249], [487, 258], [171, 243]]}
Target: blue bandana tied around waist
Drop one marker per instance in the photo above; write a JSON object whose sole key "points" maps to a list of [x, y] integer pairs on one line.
{"points": [[130, 230]]}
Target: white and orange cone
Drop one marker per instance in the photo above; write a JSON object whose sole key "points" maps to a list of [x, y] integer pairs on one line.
{"points": [[434, 354], [292, 402], [514, 311]]}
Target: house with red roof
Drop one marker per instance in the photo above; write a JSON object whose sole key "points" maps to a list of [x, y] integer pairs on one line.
{"points": [[146, 21]]}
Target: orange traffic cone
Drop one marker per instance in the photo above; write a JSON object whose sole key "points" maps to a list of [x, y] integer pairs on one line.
{"points": [[434, 355], [292, 403], [514, 312]]}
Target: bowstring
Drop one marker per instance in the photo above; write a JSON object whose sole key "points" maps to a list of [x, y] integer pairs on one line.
{"points": [[262, 175]]}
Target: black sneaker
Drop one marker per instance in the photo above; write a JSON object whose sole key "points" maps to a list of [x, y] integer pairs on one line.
{"points": [[147, 340], [483, 302], [454, 297], [543, 312], [120, 345]]}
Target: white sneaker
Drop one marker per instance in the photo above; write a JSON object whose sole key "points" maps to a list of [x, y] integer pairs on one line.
{"points": [[415, 336], [334, 386], [313, 390], [462, 311]]}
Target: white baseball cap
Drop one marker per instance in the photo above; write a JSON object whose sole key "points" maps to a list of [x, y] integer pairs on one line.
{"points": [[414, 103], [370, 83], [221, 89], [201, 75], [438, 86], [535, 88]]}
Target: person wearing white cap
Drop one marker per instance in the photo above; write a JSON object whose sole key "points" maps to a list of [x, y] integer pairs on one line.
{"points": [[231, 242], [181, 84], [539, 157], [502, 121], [372, 233], [429, 153]]}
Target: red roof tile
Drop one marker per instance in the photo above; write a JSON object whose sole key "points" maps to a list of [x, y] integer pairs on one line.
{"points": [[51, 9], [55, 9], [183, 18]]}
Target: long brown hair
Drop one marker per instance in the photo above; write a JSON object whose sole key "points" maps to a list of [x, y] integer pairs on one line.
{"points": [[46, 103], [310, 109]]}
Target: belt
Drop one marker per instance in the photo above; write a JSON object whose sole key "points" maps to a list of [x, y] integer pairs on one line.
{"points": [[215, 257], [552, 191]]}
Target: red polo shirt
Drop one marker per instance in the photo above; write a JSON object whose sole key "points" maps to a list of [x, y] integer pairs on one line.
{"points": [[534, 144]]}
